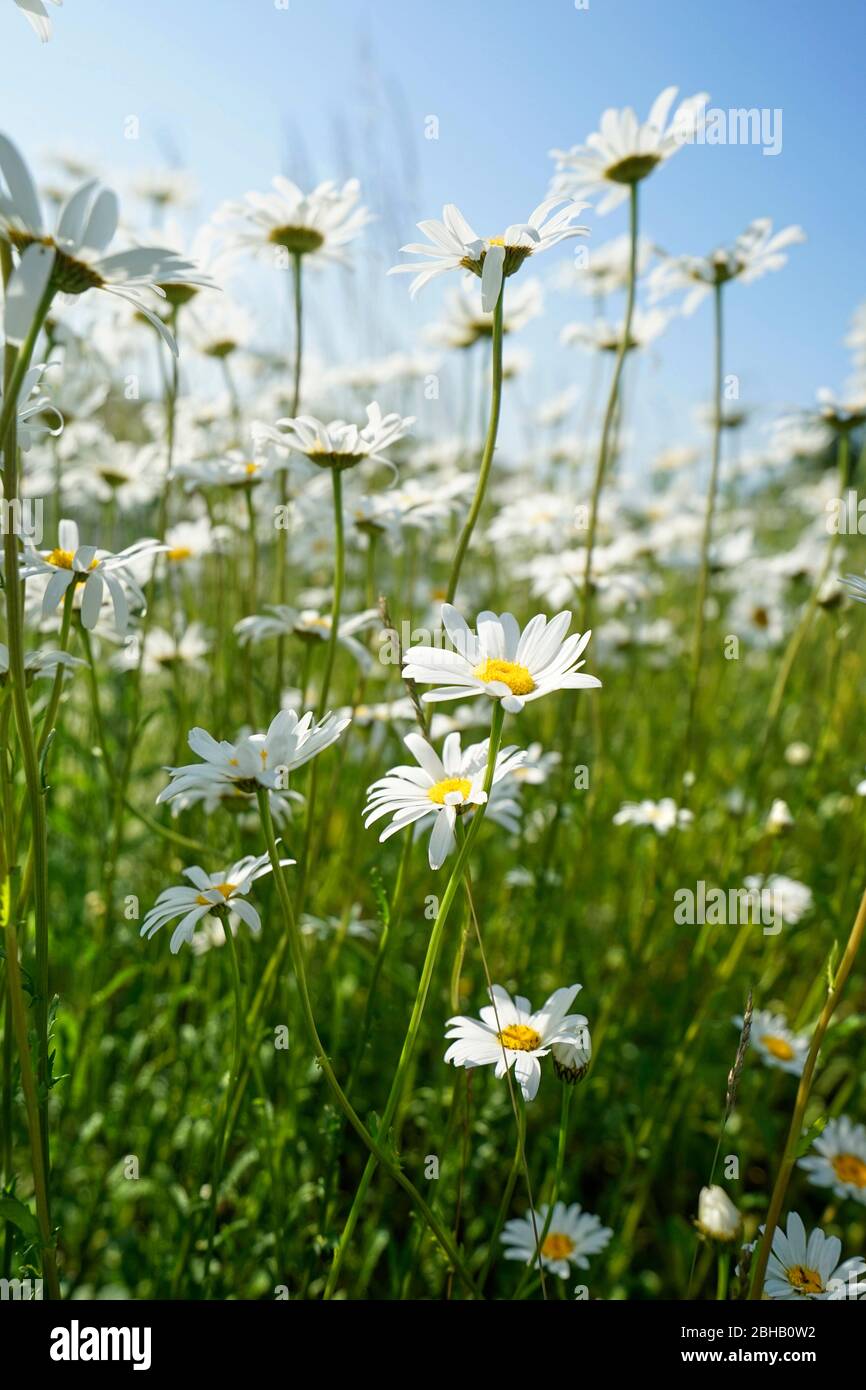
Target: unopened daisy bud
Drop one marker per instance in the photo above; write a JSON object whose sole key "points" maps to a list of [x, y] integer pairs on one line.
{"points": [[571, 1060], [718, 1218], [779, 819]]}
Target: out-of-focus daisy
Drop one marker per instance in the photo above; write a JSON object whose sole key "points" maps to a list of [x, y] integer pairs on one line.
{"points": [[316, 225], [466, 322], [72, 563], [718, 1218], [775, 1043], [662, 815], [258, 760], [164, 651], [839, 1160], [790, 898], [500, 660], [779, 818], [601, 336], [278, 620], [573, 1235], [37, 17], [72, 259], [36, 415], [437, 791], [220, 891], [38, 662], [606, 268], [509, 1034], [808, 1267], [756, 251], [354, 925], [453, 245], [623, 151], [338, 444]]}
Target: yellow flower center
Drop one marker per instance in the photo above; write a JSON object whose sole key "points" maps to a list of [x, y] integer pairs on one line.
{"points": [[225, 888], [805, 1280], [520, 1038], [251, 468], [510, 673], [440, 790], [179, 552], [778, 1047], [851, 1169], [557, 1246], [61, 558], [496, 241]]}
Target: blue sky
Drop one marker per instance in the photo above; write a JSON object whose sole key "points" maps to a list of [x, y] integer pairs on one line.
{"points": [[240, 89]]}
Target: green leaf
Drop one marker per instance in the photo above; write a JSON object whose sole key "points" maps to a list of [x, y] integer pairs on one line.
{"points": [[807, 1139], [11, 1209]]}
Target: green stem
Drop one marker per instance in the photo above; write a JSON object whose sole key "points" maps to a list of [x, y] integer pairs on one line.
{"points": [[709, 515], [789, 1153], [57, 688], [378, 1154], [337, 600], [411, 1039], [234, 1075], [610, 413], [489, 448], [567, 1091]]}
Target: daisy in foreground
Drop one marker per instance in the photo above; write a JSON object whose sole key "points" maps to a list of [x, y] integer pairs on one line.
{"points": [[839, 1160], [809, 1268], [71, 563], [209, 894], [500, 660], [775, 1043], [508, 1034], [258, 760], [453, 245], [438, 790], [573, 1235]]}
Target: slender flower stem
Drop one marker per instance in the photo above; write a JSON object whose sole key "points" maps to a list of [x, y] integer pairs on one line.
{"points": [[567, 1091], [789, 1153], [57, 688], [282, 559], [709, 515], [337, 600], [234, 1076], [410, 1041], [489, 448], [610, 413], [15, 367], [377, 1152]]}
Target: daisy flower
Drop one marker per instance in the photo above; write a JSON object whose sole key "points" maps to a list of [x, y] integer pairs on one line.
{"points": [[316, 225], [72, 259], [35, 413], [808, 1268], [623, 151], [790, 899], [38, 662], [775, 1043], [453, 245], [662, 815], [37, 17], [435, 792], [756, 251], [339, 444], [607, 337], [718, 1218], [573, 1235], [509, 1034], [279, 620], [209, 893], [501, 661], [466, 322], [839, 1160], [72, 563], [259, 760]]}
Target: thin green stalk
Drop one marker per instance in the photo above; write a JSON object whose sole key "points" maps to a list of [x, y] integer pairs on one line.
{"points": [[610, 413], [789, 1153], [489, 448], [378, 1154], [410, 1041], [709, 515], [57, 688], [237, 1052], [567, 1091]]}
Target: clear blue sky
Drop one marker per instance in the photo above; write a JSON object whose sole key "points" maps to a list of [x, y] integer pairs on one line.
{"points": [[240, 89]]}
